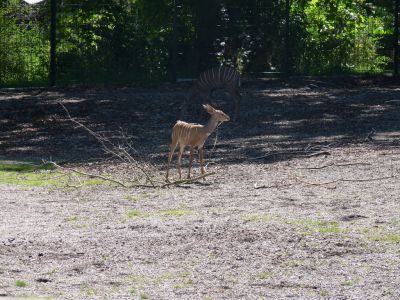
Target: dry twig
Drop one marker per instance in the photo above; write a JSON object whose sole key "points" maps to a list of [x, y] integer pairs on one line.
{"points": [[272, 186], [323, 184], [189, 180], [333, 165], [109, 148], [89, 175], [345, 180]]}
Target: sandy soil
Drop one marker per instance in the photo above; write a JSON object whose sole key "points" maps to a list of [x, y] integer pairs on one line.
{"points": [[304, 203]]}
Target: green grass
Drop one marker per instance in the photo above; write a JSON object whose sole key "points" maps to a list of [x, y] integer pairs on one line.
{"points": [[21, 283], [175, 213], [348, 283], [264, 275], [317, 226], [19, 167], [256, 218], [39, 175], [330, 228], [163, 213], [138, 214], [141, 196], [30, 175], [391, 238]]}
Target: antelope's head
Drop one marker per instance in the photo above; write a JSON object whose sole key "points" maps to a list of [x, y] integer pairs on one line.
{"points": [[217, 114]]}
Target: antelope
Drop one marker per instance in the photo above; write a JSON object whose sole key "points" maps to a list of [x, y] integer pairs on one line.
{"points": [[194, 135], [222, 77]]}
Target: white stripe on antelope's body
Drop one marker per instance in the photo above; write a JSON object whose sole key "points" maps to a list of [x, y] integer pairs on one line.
{"points": [[193, 135], [221, 77]]}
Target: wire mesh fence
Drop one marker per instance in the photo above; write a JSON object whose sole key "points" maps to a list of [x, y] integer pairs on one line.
{"points": [[111, 42]]}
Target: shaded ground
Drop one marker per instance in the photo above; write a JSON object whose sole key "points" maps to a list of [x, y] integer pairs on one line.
{"points": [[276, 221]]}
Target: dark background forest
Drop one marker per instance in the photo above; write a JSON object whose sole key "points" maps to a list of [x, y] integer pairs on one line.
{"points": [[119, 42]]}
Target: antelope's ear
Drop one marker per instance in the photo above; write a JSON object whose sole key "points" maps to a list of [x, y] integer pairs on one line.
{"points": [[208, 108]]}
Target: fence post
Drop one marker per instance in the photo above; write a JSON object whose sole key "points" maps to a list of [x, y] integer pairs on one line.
{"points": [[287, 60], [396, 39], [53, 23], [174, 42]]}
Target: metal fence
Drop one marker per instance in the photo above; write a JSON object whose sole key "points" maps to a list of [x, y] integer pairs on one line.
{"points": [[110, 42]]}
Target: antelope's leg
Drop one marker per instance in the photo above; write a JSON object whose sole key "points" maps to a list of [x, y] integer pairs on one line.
{"points": [[171, 153], [190, 160], [201, 157], [181, 149]]}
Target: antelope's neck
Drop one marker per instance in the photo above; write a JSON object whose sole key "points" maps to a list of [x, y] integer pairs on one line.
{"points": [[210, 126]]}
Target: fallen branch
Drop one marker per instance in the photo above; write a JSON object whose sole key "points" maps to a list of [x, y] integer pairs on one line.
{"points": [[300, 180], [189, 180], [89, 175], [369, 135], [109, 147], [272, 186], [345, 180], [276, 153], [318, 154], [124, 185], [293, 152], [333, 165]]}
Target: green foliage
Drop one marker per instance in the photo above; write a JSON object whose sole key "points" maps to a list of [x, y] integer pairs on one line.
{"points": [[129, 41], [23, 49], [338, 37]]}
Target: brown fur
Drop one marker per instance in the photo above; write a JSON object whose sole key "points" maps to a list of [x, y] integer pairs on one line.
{"points": [[193, 135]]}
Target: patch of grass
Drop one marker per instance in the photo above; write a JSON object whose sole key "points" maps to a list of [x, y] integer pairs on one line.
{"points": [[164, 213], [138, 214], [306, 222], [317, 226], [33, 179], [187, 282], [73, 218], [88, 290], [21, 283], [329, 228], [170, 276], [175, 213], [137, 279], [256, 218], [27, 297], [133, 198], [18, 167], [264, 275], [390, 238], [164, 277], [95, 181], [142, 196], [42, 175], [324, 293], [348, 283], [143, 296]]}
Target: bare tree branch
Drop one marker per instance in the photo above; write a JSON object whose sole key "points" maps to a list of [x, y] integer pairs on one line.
{"points": [[110, 148], [189, 180], [89, 175]]}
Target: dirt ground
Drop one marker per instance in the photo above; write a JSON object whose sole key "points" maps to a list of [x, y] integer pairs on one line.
{"points": [[304, 202]]}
